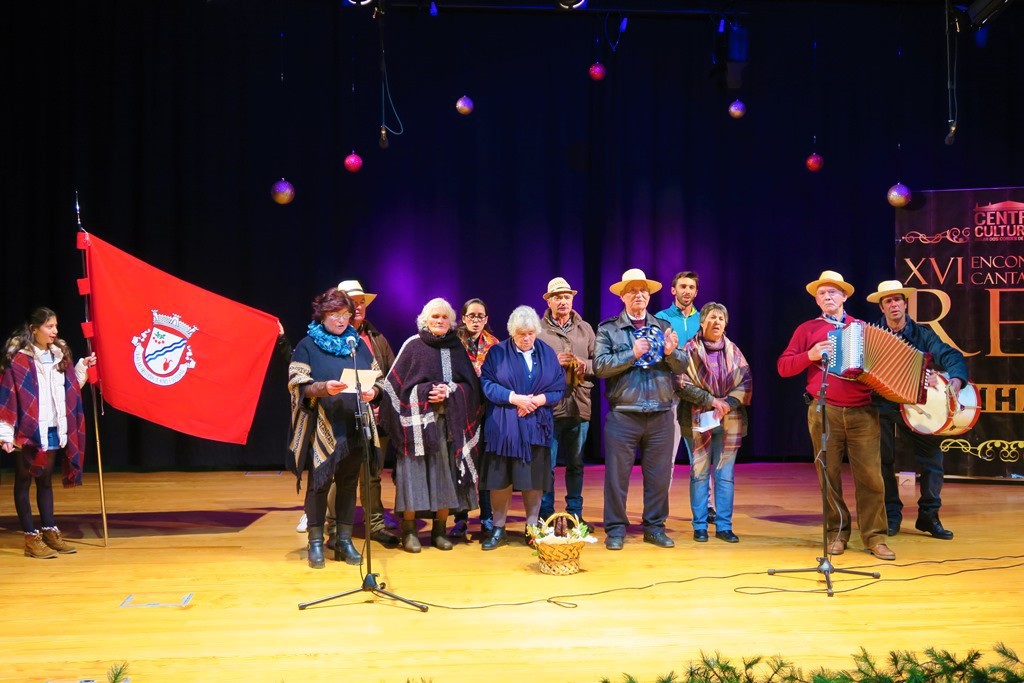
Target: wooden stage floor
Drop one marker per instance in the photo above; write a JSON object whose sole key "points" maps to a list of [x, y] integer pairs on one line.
{"points": [[203, 574]]}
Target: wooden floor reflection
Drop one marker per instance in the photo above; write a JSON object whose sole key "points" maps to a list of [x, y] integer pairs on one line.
{"points": [[203, 574]]}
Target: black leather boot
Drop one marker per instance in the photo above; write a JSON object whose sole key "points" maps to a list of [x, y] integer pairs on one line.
{"points": [[315, 554], [343, 548], [379, 532], [410, 542], [497, 538], [930, 524], [438, 537]]}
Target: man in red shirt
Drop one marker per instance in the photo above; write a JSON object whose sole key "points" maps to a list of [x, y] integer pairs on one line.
{"points": [[852, 423]]}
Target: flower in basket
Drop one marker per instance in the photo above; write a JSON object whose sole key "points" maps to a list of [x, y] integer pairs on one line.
{"points": [[560, 533]]}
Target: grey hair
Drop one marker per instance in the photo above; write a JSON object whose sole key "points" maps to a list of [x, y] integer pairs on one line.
{"points": [[523, 318], [428, 308], [710, 306]]}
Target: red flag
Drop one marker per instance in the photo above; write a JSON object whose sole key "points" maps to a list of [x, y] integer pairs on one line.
{"points": [[173, 353]]}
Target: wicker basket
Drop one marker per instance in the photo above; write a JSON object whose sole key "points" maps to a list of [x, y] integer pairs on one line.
{"points": [[559, 559]]}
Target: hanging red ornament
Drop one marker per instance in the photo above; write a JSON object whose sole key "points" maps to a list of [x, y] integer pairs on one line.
{"points": [[898, 195], [464, 105], [597, 71], [353, 162], [814, 162], [282, 191]]}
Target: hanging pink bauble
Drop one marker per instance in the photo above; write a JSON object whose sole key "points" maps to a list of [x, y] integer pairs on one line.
{"points": [[353, 162], [737, 109], [464, 105], [282, 192], [597, 71], [898, 195], [814, 162]]}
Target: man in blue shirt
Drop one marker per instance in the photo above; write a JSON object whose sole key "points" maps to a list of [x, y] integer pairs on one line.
{"points": [[685, 320], [682, 314]]}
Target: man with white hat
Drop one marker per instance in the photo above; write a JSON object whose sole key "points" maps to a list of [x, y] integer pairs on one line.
{"points": [[852, 422], [640, 388], [572, 338], [892, 297]]}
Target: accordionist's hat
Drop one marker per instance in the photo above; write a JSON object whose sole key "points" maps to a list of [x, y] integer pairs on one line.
{"points": [[830, 277]]}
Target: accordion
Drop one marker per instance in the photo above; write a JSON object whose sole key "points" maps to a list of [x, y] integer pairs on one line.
{"points": [[880, 359]]}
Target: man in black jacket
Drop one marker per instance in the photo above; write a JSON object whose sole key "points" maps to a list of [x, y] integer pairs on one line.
{"points": [[892, 298], [640, 388]]}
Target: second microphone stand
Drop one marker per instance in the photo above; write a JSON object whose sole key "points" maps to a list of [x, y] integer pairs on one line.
{"points": [[370, 580], [824, 566]]}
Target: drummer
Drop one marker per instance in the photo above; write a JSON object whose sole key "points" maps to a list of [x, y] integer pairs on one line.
{"points": [[637, 354], [892, 296]]}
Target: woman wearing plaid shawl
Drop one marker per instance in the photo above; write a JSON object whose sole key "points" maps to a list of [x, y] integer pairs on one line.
{"points": [[432, 414], [41, 414], [325, 438], [717, 380]]}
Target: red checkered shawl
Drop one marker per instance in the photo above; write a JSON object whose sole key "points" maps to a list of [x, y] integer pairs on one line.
{"points": [[19, 406]]}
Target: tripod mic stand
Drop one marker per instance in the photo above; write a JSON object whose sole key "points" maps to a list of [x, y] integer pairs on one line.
{"points": [[370, 580], [825, 566]]}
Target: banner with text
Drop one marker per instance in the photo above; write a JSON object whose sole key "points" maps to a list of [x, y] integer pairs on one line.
{"points": [[964, 252]]}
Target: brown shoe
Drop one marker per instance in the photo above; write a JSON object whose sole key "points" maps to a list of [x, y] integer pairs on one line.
{"points": [[34, 547], [882, 552], [52, 538], [838, 547]]}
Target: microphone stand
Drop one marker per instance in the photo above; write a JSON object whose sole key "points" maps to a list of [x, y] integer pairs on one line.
{"points": [[370, 579], [824, 566]]}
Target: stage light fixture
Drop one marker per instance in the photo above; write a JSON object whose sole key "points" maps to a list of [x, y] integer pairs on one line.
{"points": [[359, 2], [980, 12], [571, 4]]}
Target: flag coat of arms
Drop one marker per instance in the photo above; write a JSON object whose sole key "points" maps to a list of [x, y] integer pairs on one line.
{"points": [[171, 352]]}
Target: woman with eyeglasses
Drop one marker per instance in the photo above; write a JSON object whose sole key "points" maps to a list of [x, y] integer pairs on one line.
{"points": [[325, 437], [475, 333], [478, 339], [432, 415]]}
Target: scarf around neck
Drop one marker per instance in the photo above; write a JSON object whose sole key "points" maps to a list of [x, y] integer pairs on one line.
{"points": [[334, 344]]}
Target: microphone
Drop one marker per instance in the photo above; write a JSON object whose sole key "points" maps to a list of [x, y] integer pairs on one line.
{"points": [[952, 132], [352, 342], [824, 357]]}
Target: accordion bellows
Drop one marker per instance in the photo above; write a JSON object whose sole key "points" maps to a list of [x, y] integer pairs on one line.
{"points": [[878, 358]]}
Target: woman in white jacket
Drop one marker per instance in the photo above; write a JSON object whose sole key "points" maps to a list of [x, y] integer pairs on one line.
{"points": [[41, 415]]}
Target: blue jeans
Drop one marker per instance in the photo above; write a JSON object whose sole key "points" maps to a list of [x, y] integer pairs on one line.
{"points": [[570, 433], [700, 471]]}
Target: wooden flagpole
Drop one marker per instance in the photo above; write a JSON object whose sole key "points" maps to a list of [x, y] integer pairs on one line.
{"points": [[92, 385]]}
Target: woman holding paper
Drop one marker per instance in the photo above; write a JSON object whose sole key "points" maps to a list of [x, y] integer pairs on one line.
{"points": [[325, 437], [717, 383], [432, 414]]}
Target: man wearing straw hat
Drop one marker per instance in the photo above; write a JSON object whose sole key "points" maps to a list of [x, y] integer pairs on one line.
{"points": [[852, 423], [572, 338], [892, 297], [640, 388]]}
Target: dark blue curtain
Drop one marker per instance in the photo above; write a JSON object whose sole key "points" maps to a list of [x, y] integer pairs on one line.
{"points": [[173, 119]]}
